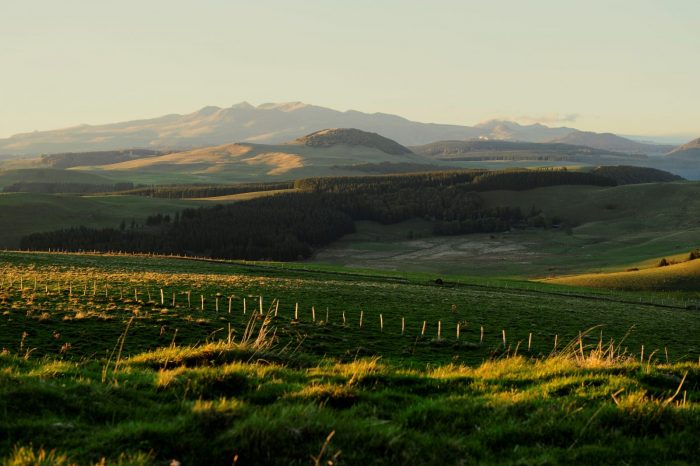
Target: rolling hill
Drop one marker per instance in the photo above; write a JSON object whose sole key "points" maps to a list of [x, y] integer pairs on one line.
{"points": [[612, 142], [75, 159], [352, 137], [680, 276], [38, 175], [602, 229], [29, 213], [512, 131], [484, 150], [276, 123], [689, 152], [334, 151]]}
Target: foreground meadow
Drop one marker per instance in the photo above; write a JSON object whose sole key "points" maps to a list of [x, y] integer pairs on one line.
{"points": [[144, 360]]}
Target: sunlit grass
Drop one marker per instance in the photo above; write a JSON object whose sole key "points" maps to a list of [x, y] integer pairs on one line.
{"points": [[147, 382]]}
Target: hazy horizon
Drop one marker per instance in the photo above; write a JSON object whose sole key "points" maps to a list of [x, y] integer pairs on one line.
{"points": [[626, 68]]}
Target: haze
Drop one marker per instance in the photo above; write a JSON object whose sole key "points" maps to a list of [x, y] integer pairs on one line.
{"points": [[628, 67]]}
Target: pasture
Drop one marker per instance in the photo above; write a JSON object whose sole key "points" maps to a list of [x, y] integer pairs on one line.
{"points": [[138, 360]]}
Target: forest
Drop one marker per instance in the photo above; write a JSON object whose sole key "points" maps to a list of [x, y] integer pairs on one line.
{"points": [[290, 226]]}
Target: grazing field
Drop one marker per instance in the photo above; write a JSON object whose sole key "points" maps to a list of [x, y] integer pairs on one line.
{"points": [[603, 229], [138, 360], [246, 196], [681, 276], [25, 213], [8, 177]]}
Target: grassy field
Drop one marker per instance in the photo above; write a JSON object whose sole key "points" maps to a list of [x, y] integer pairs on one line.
{"points": [[8, 177], [611, 229], [680, 276], [25, 213], [97, 363], [246, 196]]}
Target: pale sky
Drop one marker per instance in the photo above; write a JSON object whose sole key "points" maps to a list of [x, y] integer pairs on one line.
{"points": [[625, 66]]}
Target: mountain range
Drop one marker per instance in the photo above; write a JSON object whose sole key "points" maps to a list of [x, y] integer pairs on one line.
{"points": [[275, 123]]}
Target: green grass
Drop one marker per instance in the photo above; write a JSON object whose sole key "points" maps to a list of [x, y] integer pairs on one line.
{"points": [[678, 276], [612, 229], [86, 377], [30, 213], [8, 177], [511, 411]]}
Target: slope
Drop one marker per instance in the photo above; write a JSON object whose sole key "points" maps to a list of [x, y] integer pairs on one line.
{"points": [[681, 276], [27, 213], [688, 152], [321, 153], [32, 175], [596, 229], [490, 150], [609, 141]]}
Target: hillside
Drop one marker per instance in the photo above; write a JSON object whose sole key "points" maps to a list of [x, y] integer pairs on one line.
{"points": [[330, 152], [491, 150], [597, 228], [277, 123], [233, 363], [689, 151], [680, 276], [28, 213], [582, 210], [609, 141], [76, 159], [512, 131], [40, 175], [351, 137], [635, 175]]}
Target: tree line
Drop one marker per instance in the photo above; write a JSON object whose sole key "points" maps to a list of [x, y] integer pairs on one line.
{"points": [[290, 226]]}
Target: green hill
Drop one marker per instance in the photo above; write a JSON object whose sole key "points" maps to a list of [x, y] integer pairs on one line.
{"points": [[29, 213], [673, 277], [594, 229], [634, 175], [77, 159], [330, 152], [221, 363], [493, 150], [352, 137], [40, 175]]}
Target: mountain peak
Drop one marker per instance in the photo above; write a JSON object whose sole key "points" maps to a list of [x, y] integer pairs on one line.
{"points": [[283, 106], [242, 106], [208, 110]]}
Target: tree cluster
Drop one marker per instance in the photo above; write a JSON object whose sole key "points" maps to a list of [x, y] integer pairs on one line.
{"points": [[289, 226]]}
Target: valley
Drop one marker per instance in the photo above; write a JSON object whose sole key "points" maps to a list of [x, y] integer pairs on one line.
{"points": [[341, 290]]}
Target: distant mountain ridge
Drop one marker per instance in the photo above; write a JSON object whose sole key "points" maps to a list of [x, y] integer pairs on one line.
{"points": [[275, 123]]}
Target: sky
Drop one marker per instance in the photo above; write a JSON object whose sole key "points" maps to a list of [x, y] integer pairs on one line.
{"points": [[629, 67]]}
